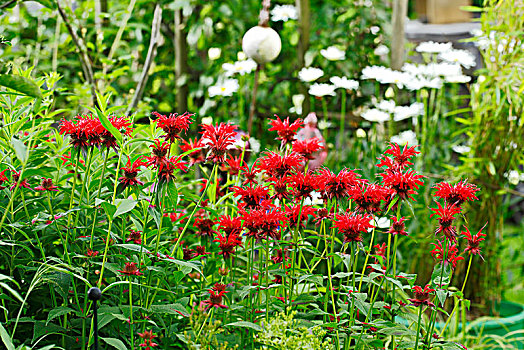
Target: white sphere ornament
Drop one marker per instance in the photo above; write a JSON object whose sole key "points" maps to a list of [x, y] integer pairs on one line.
{"points": [[262, 44]]}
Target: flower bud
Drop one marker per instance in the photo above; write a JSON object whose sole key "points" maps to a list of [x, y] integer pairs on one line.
{"points": [[262, 44]]}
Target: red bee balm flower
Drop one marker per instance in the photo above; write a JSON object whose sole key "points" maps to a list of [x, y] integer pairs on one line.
{"points": [[251, 196], [404, 183], [84, 131], [307, 148], [397, 226], [304, 184], [276, 165], [130, 269], [122, 124], [46, 185], [196, 156], [401, 157], [446, 215], [131, 171], [22, 184], [250, 174], [286, 132], [159, 150], [215, 299], [173, 124], [352, 225], [230, 225], [451, 253], [166, 173], [227, 244], [147, 338], [369, 197], [474, 241], [3, 178], [421, 296], [456, 194], [337, 186], [135, 237], [218, 138]]}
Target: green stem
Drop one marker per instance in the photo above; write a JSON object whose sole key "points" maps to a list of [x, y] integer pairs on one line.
{"points": [[418, 326]]}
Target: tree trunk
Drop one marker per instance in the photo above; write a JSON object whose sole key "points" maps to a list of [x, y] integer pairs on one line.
{"points": [[400, 11]]}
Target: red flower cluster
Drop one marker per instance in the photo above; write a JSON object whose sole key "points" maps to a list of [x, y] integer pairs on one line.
{"points": [[130, 269], [173, 124], [131, 171], [215, 297], [421, 296], [456, 194], [218, 139], [352, 225], [450, 253], [286, 131], [474, 241], [147, 338]]}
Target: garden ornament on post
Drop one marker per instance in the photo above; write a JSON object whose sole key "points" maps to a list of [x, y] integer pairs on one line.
{"points": [[94, 294], [262, 44]]}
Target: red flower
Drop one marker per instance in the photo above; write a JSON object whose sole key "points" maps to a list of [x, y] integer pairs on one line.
{"points": [[337, 186], [201, 251], [130, 269], [251, 196], [249, 173], [204, 225], [188, 253], [307, 148], [352, 225], [135, 237], [215, 299], [92, 253], [446, 215], [227, 244], [131, 171], [286, 132], [281, 255], [147, 338], [293, 213], [401, 157], [22, 184], [456, 194], [218, 138], [230, 225], [474, 241], [451, 253], [173, 124], [3, 178], [84, 131], [304, 184], [397, 226], [232, 166], [280, 188], [46, 185], [404, 183], [264, 223], [159, 150], [421, 296], [369, 197], [166, 173], [197, 155], [276, 165]]}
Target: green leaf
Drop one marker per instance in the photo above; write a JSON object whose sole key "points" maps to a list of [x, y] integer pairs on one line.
{"points": [[109, 208], [13, 292], [59, 311], [123, 206], [47, 3], [172, 309], [117, 343], [6, 339], [20, 150], [107, 125], [442, 295], [21, 84], [246, 324]]}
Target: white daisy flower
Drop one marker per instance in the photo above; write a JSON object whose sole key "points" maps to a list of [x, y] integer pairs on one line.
{"points": [[321, 90], [462, 57], [405, 137], [283, 13], [240, 67], [387, 106], [225, 88], [433, 47], [344, 83], [333, 53], [403, 112], [310, 74], [373, 72], [375, 115]]}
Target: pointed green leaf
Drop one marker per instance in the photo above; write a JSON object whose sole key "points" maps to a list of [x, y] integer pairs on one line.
{"points": [[123, 206], [20, 150], [117, 343], [59, 311], [245, 324], [20, 84], [6, 339]]}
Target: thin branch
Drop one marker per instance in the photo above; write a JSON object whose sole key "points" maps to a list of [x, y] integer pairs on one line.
{"points": [[151, 53], [82, 51]]}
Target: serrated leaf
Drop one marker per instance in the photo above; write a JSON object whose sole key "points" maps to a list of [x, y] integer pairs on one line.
{"points": [[20, 150], [20, 84], [117, 343], [123, 206], [59, 311], [245, 324], [173, 309]]}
